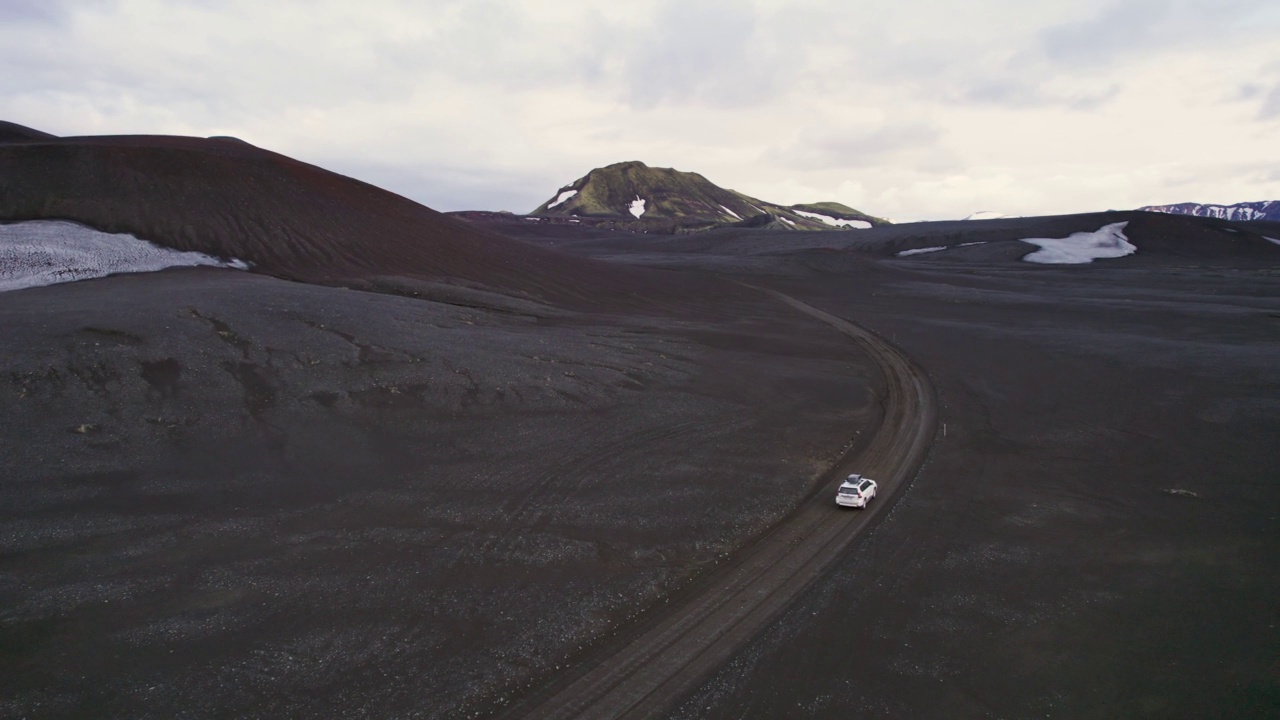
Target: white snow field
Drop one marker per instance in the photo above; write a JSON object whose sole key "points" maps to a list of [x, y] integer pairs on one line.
{"points": [[834, 222], [731, 212], [1082, 247], [1271, 240], [785, 220], [637, 207], [48, 252], [562, 197], [988, 215]]}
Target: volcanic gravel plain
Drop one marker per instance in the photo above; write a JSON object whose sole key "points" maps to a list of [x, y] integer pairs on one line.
{"points": [[444, 469], [1095, 531]]}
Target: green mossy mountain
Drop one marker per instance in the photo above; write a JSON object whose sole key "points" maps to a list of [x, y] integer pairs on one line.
{"points": [[634, 196]]}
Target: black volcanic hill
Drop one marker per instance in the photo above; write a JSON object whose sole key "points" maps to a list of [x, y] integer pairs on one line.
{"points": [[287, 218], [634, 196], [13, 132], [1261, 210]]}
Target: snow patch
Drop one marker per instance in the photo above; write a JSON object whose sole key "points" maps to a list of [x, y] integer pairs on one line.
{"points": [[987, 215], [832, 221], [1271, 240], [1108, 241], [637, 207], [48, 252], [921, 251], [730, 212], [786, 221], [562, 197]]}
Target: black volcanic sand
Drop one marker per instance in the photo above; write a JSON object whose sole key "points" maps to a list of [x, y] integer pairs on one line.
{"points": [[225, 494], [1095, 533], [228, 494]]}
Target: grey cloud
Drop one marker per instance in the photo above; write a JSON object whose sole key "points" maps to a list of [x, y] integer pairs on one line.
{"points": [[1120, 31], [446, 188], [1270, 109], [1249, 91], [39, 12], [1218, 174], [1118, 28], [1005, 69], [1126, 27], [705, 52], [499, 44], [236, 66], [864, 148], [1019, 92]]}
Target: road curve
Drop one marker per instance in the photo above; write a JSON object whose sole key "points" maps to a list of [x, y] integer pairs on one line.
{"points": [[665, 657]]}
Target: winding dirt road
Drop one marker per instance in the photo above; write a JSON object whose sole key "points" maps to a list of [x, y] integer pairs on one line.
{"points": [[654, 665]]}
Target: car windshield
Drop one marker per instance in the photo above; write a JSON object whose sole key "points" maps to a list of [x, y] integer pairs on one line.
{"points": [[848, 491]]}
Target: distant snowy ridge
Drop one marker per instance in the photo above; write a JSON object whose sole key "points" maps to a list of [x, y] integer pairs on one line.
{"points": [[988, 215], [1109, 241], [1261, 210], [48, 252]]}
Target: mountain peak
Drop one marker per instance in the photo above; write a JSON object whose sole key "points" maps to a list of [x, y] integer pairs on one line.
{"points": [[632, 195]]}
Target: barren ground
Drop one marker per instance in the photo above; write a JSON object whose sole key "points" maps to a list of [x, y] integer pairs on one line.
{"points": [[227, 494], [1095, 533], [230, 494]]}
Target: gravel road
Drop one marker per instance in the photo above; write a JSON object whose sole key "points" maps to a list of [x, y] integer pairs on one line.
{"points": [[644, 671]]}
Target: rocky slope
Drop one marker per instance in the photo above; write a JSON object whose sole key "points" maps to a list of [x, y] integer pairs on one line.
{"points": [[634, 196]]}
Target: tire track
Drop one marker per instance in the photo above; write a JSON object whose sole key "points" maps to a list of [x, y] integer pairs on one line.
{"points": [[651, 667]]}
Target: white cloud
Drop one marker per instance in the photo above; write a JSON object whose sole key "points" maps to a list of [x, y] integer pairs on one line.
{"points": [[907, 109]]}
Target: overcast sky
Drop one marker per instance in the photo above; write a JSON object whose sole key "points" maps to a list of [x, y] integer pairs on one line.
{"points": [[908, 109]]}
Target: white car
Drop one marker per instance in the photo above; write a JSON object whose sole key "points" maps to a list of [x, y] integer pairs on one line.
{"points": [[855, 491]]}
